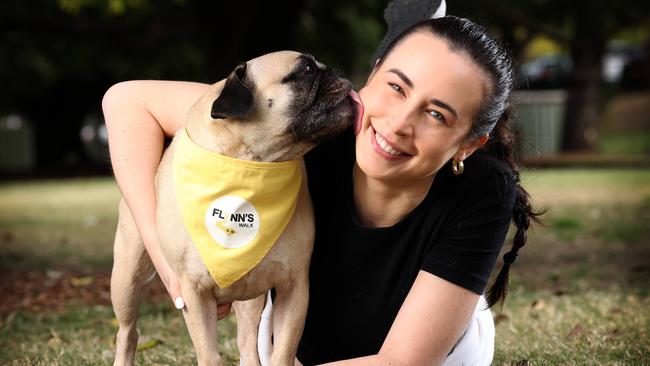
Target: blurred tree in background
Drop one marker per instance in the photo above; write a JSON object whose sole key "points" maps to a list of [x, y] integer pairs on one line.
{"points": [[584, 28], [60, 56]]}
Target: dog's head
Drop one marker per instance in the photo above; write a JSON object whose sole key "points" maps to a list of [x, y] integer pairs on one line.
{"points": [[282, 104]]}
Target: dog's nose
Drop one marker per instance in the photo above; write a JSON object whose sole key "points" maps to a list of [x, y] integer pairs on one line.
{"points": [[339, 85]]}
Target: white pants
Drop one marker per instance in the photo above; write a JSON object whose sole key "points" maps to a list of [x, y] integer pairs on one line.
{"points": [[475, 347]]}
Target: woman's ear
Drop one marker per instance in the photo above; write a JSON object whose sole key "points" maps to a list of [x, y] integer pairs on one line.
{"points": [[470, 146]]}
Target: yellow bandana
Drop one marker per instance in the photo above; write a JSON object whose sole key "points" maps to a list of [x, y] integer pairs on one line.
{"points": [[234, 209]]}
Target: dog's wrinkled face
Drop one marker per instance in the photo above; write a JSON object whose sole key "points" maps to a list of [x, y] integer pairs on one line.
{"points": [[282, 104]]}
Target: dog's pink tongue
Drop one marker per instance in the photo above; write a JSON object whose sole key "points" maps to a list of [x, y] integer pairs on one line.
{"points": [[357, 101]]}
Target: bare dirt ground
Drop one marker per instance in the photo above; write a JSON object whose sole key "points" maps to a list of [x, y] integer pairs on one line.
{"points": [[54, 290]]}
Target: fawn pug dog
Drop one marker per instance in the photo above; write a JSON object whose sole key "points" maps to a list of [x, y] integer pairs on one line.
{"points": [[234, 215]]}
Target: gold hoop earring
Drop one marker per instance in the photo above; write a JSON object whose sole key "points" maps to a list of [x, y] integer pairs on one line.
{"points": [[457, 167]]}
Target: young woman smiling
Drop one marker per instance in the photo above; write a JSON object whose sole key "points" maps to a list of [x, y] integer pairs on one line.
{"points": [[412, 206]]}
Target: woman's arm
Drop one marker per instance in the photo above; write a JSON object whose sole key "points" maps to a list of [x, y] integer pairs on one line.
{"points": [[429, 323], [138, 115]]}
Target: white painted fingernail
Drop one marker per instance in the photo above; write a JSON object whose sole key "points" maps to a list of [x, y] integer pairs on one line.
{"points": [[179, 303]]}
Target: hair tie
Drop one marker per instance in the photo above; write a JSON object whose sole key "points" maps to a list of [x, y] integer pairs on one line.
{"points": [[510, 257]]}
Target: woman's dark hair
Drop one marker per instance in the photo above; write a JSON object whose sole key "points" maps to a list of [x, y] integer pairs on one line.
{"points": [[493, 117]]}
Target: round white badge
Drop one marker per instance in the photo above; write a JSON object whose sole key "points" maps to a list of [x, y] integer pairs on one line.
{"points": [[232, 221]]}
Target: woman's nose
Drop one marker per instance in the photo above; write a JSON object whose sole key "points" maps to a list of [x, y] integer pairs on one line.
{"points": [[401, 120]]}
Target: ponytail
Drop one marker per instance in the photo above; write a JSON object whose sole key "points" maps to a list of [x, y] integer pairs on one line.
{"points": [[501, 146], [493, 117]]}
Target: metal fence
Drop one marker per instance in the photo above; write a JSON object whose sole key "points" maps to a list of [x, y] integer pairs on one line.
{"points": [[539, 121]]}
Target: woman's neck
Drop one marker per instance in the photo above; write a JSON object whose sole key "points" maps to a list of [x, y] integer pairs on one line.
{"points": [[384, 203]]}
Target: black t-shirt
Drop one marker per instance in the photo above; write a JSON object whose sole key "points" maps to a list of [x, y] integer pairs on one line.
{"points": [[360, 276]]}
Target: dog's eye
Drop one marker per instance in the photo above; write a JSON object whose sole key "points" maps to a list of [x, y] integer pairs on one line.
{"points": [[308, 70]]}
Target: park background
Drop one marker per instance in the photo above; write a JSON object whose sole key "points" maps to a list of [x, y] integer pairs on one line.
{"points": [[579, 290]]}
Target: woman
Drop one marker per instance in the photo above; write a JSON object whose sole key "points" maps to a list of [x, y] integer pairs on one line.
{"points": [[411, 208]]}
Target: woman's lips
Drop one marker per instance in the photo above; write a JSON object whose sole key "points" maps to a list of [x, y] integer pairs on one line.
{"points": [[359, 105], [383, 148]]}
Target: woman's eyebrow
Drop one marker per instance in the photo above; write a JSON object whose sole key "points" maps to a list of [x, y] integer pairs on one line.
{"points": [[434, 101], [444, 105], [401, 75]]}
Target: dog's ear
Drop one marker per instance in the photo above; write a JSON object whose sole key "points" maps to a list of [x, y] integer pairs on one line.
{"points": [[236, 99]]}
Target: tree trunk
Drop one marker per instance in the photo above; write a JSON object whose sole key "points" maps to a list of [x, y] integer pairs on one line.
{"points": [[585, 87]]}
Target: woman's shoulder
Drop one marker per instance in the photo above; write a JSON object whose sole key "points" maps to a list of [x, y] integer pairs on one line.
{"points": [[485, 172], [485, 181]]}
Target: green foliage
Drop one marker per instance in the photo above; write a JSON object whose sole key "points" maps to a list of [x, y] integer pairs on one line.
{"points": [[558, 19], [113, 7], [98, 42], [583, 28], [343, 34], [59, 58]]}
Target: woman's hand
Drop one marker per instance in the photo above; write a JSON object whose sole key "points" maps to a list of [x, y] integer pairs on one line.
{"points": [[171, 282], [173, 286]]}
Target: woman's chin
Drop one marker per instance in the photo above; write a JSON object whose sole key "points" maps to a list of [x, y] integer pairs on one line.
{"points": [[370, 163]]}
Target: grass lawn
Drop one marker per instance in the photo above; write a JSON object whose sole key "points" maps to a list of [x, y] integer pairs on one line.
{"points": [[579, 291]]}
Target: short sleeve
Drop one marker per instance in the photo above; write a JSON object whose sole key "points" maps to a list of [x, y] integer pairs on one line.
{"points": [[476, 226]]}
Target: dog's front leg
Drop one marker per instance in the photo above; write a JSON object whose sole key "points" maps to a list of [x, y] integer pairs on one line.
{"points": [[248, 326], [289, 312], [200, 314], [130, 279]]}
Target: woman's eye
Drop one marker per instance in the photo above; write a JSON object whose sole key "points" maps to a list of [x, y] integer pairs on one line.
{"points": [[397, 88], [437, 115]]}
